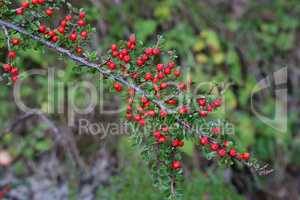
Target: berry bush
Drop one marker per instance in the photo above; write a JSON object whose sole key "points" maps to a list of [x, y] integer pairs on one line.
{"points": [[162, 104]]}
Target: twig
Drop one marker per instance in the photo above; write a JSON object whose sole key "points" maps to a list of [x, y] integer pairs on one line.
{"points": [[7, 37]]}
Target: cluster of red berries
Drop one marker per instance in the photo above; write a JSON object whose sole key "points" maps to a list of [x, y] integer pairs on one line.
{"points": [[65, 25], [208, 107], [223, 150], [142, 60], [14, 72], [9, 68], [175, 143], [26, 4], [122, 55]]}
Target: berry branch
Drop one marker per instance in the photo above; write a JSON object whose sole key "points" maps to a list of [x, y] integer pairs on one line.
{"points": [[166, 109]]}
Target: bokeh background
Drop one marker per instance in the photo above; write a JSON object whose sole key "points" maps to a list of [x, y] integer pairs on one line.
{"points": [[237, 41]]}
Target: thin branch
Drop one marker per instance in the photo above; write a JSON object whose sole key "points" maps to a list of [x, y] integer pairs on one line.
{"points": [[7, 37]]}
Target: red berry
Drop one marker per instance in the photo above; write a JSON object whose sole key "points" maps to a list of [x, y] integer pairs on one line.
{"points": [[42, 29], [14, 71], [157, 134], [165, 129], [54, 38], [25, 4], [162, 139], [132, 38], [81, 22], [147, 104], [171, 65], [216, 130], [118, 87], [175, 143], [111, 65], [156, 88], [144, 99], [226, 143], [127, 59], [149, 51], [142, 122], [115, 54], [201, 102], [145, 58], [137, 117], [131, 46], [209, 108], [82, 15], [139, 62], [163, 85], [245, 156], [61, 30], [15, 41], [20, 11], [183, 110], [222, 152], [155, 80], [151, 113], [49, 11], [7, 67], [51, 33], [129, 108], [163, 113], [167, 71], [203, 113], [63, 23], [217, 102], [114, 47], [214, 146], [177, 73], [160, 67], [79, 50], [176, 165], [171, 102], [148, 76], [68, 17], [160, 75], [34, 2], [232, 152], [73, 37], [12, 54], [14, 78], [41, 1], [128, 116], [124, 52], [203, 140], [182, 86], [156, 51]]}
